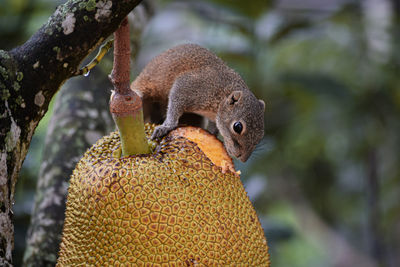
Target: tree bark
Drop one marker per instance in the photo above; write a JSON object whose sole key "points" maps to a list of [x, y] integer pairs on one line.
{"points": [[79, 119], [31, 74], [69, 135]]}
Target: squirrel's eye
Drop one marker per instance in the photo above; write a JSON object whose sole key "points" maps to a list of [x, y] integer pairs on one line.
{"points": [[238, 127]]}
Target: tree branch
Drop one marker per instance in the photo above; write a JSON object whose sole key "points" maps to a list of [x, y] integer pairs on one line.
{"points": [[54, 53], [69, 135], [31, 74]]}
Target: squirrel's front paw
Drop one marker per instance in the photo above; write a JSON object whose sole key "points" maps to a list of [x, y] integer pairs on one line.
{"points": [[161, 131]]}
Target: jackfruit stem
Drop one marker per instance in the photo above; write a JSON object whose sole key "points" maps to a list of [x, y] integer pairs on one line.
{"points": [[133, 138], [130, 126], [120, 73], [125, 104]]}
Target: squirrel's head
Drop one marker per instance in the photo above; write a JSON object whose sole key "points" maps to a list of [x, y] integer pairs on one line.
{"points": [[240, 121]]}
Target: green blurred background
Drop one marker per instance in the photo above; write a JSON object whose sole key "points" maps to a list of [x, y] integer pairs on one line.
{"points": [[325, 180]]}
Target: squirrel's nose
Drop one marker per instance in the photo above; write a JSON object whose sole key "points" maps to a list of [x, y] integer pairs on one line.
{"points": [[244, 157]]}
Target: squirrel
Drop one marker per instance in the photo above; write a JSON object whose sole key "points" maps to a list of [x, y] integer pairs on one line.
{"points": [[191, 79]]}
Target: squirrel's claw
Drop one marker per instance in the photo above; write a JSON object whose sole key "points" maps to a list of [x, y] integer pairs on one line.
{"points": [[161, 131]]}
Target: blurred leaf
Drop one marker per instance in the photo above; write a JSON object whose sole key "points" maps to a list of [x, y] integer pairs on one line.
{"points": [[252, 9], [317, 84]]}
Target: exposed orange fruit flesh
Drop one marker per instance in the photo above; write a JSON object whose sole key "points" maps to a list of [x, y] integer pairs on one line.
{"points": [[209, 144], [171, 208]]}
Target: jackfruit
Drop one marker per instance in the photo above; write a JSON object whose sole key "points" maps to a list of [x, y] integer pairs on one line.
{"points": [[174, 207]]}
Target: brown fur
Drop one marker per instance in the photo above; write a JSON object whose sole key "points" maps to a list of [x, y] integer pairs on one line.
{"points": [[189, 78]]}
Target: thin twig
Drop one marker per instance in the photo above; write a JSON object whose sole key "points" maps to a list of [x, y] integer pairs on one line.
{"points": [[121, 68]]}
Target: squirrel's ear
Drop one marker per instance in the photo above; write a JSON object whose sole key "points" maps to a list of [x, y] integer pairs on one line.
{"points": [[234, 97], [262, 104]]}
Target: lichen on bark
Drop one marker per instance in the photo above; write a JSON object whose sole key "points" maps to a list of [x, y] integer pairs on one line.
{"points": [[80, 117], [70, 133], [36, 67]]}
